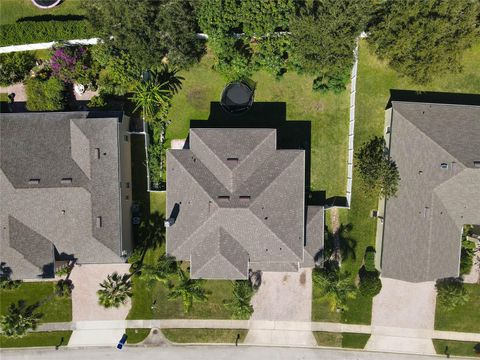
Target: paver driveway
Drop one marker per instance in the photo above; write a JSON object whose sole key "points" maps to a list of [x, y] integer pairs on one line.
{"points": [[283, 297], [403, 317], [86, 279]]}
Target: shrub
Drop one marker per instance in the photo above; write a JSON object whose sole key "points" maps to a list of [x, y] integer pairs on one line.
{"points": [[63, 288], [27, 32], [45, 95], [466, 256], [370, 259], [331, 82], [451, 293], [15, 66], [7, 284], [97, 102], [370, 283], [74, 64]]}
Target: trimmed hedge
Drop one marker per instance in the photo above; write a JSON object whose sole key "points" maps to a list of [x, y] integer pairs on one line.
{"points": [[29, 32]]}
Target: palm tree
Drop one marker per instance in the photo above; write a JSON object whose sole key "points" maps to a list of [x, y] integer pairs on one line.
{"points": [[169, 78], [239, 305], [115, 290], [165, 266], [153, 99], [451, 293], [189, 290], [19, 319], [335, 286]]}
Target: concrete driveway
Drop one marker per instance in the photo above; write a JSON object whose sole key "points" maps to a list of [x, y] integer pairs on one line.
{"points": [[283, 296], [403, 317], [86, 279]]}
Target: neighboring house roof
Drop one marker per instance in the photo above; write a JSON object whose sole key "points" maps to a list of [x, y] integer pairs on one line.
{"points": [[423, 223], [238, 200], [59, 184]]}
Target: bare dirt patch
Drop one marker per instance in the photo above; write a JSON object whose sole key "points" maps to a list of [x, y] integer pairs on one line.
{"points": [[197, 98]]}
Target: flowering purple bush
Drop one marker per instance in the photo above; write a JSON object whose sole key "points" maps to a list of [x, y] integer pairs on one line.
{"points": [[73, 64]]}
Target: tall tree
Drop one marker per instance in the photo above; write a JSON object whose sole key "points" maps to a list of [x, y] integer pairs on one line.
{"points": [[377, 171], [323, 39], [422, 39], [189, 290], [19, 319], [150, 31], [115, 290], [160, 271], [153, 99]]}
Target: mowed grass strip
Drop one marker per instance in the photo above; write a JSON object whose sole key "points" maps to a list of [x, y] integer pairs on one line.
{"points": [[33, 339], [345, 340], [135, 336], [224, 336], [456, 348]]}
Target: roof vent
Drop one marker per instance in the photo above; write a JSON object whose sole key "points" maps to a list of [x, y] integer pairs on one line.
{"points": [[66, 181], [34, 181], [223, 199], [444, 166], [245, 198], [232, 160], [99, 222], [476, 164]]}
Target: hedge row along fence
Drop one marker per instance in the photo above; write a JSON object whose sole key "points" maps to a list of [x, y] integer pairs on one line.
{"points": [[28, 32]]}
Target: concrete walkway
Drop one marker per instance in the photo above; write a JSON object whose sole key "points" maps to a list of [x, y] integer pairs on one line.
{"points": [[403, 317], [258, 325]]}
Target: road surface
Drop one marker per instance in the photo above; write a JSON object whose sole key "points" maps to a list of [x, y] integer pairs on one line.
{"points": [[204, 353]]}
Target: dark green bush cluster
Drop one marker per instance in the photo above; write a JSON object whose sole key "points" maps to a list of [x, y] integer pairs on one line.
{"points": [[15, 66], [370, 283], [45, 94], [28, 32]]}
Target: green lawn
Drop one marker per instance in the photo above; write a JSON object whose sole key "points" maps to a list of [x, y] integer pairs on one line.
{"points": [[136, 335], [464, 318], [346, 340], [158, 203], [205, 335], [328, 115], [374, 82], [47, 338], [456, 348], [12, 10], [54, 309]]}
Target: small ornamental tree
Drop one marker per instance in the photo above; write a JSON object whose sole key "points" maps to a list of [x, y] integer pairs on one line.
{"points": [[240, 305], [377, 171], [19, 319], [15, 66], [336, 287], [189, 290]]}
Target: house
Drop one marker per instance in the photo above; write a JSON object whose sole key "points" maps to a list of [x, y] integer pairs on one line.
{"points": [[64, 189], [437, 150], [236, 204]]}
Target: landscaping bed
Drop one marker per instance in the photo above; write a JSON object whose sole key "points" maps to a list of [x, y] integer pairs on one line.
{"points": [[224, 336]]}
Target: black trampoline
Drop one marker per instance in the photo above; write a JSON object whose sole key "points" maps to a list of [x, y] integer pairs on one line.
{"points": [[237, 98], [46, 4]]}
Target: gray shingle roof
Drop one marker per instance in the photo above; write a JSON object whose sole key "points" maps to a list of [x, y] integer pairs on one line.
{"points": [[74, 186], [314, 236], [236, 183], [422, 225]]}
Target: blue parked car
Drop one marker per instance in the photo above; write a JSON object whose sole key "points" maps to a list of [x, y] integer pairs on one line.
{"points": [[122, 342]]}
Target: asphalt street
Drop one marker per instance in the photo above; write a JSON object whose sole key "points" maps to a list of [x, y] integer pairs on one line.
{"points": [[204, 353]]}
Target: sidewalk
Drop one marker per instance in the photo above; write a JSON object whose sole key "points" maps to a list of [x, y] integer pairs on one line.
{"points": [[259, 325]]}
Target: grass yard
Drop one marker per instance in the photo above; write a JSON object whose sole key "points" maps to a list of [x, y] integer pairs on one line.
{"points": [[345, 340], [456, 348], [224, 336], [328, 115], [136, 336], [374, 82], [158, 203], [12, 10], [54, 309], [464, 318], [47, 338]]}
